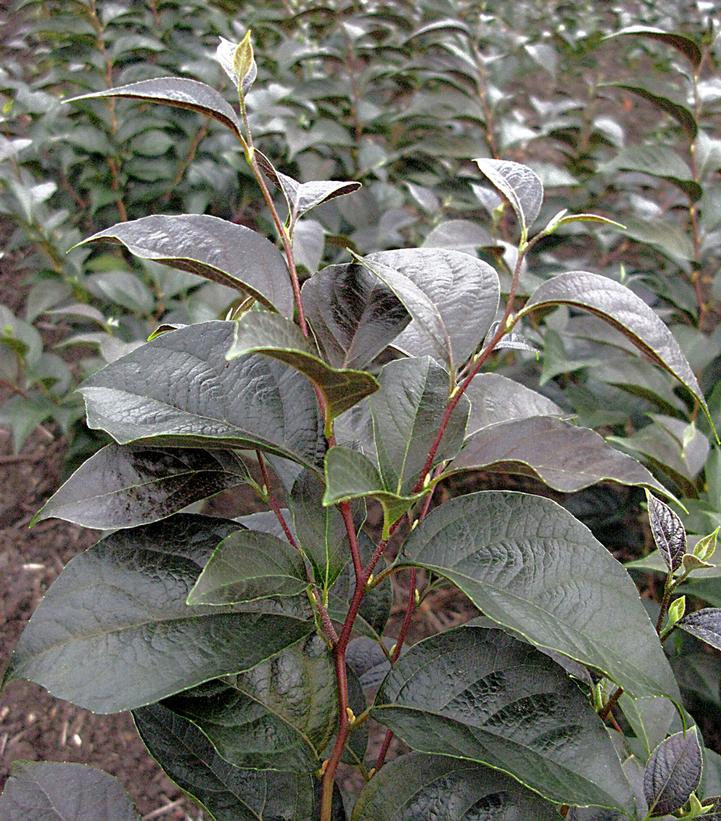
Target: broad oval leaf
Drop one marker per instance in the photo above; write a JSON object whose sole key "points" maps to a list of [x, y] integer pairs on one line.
{"points": [[668, 531], [126, 486], [63, 792], [407, 413], [563, 456], [117, 613], [529, 565], [479, 694], [179, 390], [464, 290], [210, 247], [279, 715], [178, 92], [658, 161], [249, 565], [281, 339], [353, 315], [227, 792], [417, 786], [626, 312], [519, 185], [704, 624], [682, 42], [673, 772]]}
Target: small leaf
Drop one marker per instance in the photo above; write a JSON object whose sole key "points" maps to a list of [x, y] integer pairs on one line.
{"points": [[244, 67], [213, 248], [676, 610], [277, 337], [682, 42], [681, 113], [246, 566], [125, 486], [353, 315], [417, 786], [705, 548], [673, 772], [175, 91], [668, 531], [704, 624], [63, 792], [479, 694], [568, 219], [519, 185], [227, 792]]}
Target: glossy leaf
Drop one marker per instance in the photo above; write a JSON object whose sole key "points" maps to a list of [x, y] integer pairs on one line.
{"points": [[126, 486], [626, 312], [407, 413], [417, 786], [479, 694], [519, 185], [178, 92], [272, 335], [210, 247], [529, 565], [353, 315], [464, 290], [673, 772], [279, 715], [225, 791], [248, 565], [682, 42], [705, 625], [563, 456], [117, 613], [668, 532], [683, 115], [63, 792], [178, 390]]}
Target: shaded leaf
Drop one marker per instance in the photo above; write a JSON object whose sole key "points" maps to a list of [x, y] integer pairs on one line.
{"points": [[683, 115], [519, 185], [668, 531], [704, 624], [479, 694], [682, 42], [658, 161], [529, 565], [126, 486], [178, 390], [673, 772], [117, 613]]}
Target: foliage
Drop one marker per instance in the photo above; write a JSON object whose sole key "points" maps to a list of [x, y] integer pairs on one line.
{"points": [[342, 402]]}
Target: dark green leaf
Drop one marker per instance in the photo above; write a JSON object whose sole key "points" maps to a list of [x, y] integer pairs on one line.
{"points": [[463, 289], [277, 337], [626, 312], [668, 531], [178, 390], [681, 113], [704, 624], [229, 793], [562, 455], [529, 565], [685, 44], [117, 613], [417, 786], [304, 196], [479, 694], [126, 486], [673, 772], [658, 161], [353, 315], [175, 91], [281, 714], [519, 185], [213, 248], [49, 791], [248, 565]]}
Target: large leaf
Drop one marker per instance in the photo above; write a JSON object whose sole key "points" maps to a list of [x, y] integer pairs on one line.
{"points": [[562, 455], [680, 112], [281, 339], [114, 632], [175, 91], [229, 793], [658, 161], [249, 565], [464, 290], [280, 715], [685, 44], [353, 315], [519, 185], [479, 694], [407, 413], [417, 786], [530, 566], [179, 390], [126, 486], [210, 247], [49, 791], [628, 313]]}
